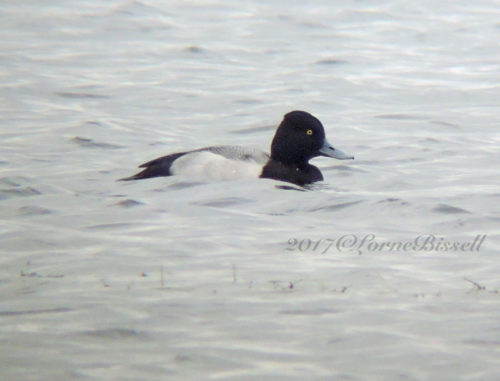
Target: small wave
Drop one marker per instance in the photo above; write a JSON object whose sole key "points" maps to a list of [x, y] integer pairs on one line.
{"points": [[35, 312], [195, 50], [65, 94], [337, 206], [115, 333], [449, 209], [253, 129], [400, 117], [129, 203], [330, 61], [228, 201], [30, 210], [85, 142], [393, 200], [184, 185], [19, 192]]}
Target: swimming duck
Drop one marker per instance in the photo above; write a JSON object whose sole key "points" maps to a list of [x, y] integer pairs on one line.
{"points": [[299, 138]]}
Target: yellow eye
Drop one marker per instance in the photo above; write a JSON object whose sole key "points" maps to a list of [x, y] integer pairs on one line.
{"points": [[309, 132]]}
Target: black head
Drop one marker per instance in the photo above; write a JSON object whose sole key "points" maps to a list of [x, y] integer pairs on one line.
{"points": [[299, 138]]}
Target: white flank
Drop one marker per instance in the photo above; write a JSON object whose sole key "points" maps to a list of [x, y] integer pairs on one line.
{"points": [[210, 166]]}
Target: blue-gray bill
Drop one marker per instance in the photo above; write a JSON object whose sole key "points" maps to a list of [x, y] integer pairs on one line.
{"points": [[328, 150]]}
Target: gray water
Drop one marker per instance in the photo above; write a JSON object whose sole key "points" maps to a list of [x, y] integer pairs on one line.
{"points": [[181, 279]]}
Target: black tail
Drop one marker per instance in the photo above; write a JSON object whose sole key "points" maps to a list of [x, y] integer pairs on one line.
{"points": [[155, 168], [145, 174]]}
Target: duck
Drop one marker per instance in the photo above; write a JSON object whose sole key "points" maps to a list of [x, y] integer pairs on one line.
{"points": [[299, 138]]}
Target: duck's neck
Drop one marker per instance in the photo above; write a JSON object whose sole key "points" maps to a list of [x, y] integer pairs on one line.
{"points": [[291, 162], [283, 155], [291, 173]]}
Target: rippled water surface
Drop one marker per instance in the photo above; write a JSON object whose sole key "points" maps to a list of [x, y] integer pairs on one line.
{"points": [[369, 275]]}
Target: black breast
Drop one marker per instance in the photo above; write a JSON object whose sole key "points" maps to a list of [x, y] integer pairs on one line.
{"points": [[292, 174]]}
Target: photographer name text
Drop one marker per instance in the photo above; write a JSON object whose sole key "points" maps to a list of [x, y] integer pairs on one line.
{"points": [[360, 244]]}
